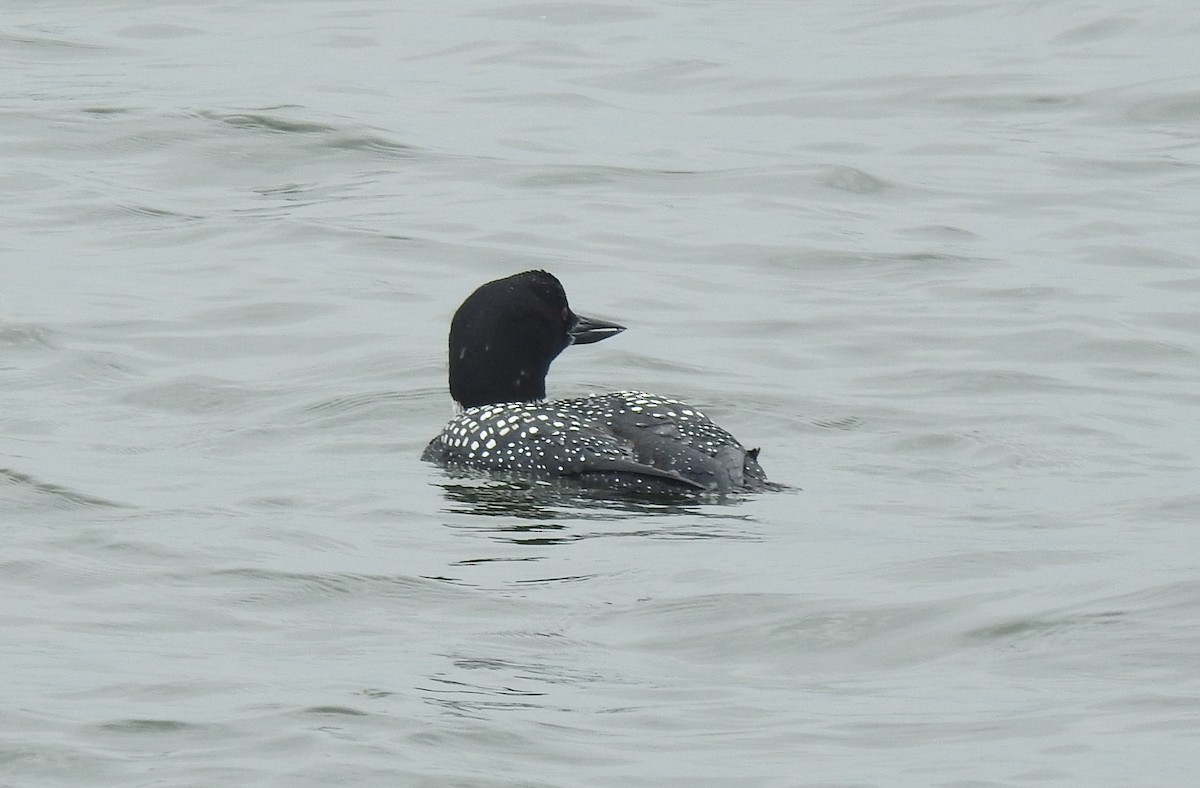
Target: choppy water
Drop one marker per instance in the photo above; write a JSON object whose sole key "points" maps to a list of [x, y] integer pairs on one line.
{"points": [[938, 259]]}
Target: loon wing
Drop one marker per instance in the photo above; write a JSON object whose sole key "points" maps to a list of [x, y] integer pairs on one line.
{"points": [[661, 444], [624, 474]]}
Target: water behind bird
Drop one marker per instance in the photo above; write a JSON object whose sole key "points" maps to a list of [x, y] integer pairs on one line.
{"points": [[938, 262]]}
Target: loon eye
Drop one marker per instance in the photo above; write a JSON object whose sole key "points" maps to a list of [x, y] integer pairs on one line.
{"points": [[565, 313]]}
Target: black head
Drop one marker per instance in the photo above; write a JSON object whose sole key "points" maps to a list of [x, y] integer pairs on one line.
{"points": [[507, 332]]}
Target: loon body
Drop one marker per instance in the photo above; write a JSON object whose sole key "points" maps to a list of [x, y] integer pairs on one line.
{"points": [[502, 340]]}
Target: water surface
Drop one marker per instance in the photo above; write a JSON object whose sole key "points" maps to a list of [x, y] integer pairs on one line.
{"points": [[937, 260]]}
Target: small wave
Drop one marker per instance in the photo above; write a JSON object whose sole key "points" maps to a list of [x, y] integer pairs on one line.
{"points": [[272, 119], [56, 495]]}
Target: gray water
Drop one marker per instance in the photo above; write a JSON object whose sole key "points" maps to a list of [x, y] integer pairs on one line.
{"points": [[939, 260]]}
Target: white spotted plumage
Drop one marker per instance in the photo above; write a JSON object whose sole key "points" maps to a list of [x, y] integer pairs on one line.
{"points": [[546, 439]]}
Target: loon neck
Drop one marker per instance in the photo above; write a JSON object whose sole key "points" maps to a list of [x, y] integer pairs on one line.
{"points": [[483, 379]]}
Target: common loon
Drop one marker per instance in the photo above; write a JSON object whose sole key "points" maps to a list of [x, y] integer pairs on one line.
{"points": [[502, 340]]}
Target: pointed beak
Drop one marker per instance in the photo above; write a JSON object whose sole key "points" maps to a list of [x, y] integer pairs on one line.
{"points": [[588, 330]]}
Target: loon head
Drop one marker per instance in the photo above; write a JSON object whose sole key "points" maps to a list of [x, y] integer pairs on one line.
{"points": [[507, 332]]}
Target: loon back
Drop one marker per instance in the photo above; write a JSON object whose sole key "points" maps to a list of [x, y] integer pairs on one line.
{"points": [[627, 440]]}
